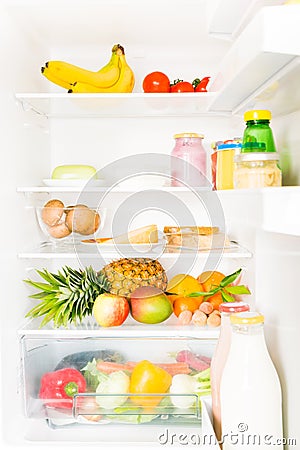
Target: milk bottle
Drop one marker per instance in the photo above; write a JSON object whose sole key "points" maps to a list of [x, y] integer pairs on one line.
{"points": [[219, 358], [250, 392]]}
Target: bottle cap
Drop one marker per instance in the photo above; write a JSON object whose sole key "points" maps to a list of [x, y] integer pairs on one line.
{"points": [[234, 307], [188, 135], [247, 318], [257, 114], [228, 146], [259, 156], [254, 147]]}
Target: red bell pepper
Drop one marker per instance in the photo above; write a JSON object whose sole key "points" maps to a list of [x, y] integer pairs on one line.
{"points": [[59, 387]]}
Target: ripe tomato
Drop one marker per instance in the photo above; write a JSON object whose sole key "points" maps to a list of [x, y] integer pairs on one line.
{"points": [[156, 82], [200, 85], [182, 86]]}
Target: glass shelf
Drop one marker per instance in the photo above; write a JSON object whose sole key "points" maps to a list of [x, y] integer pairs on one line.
{"points": [[130, 328], [48, 251], [116, 105], [110, 189]]}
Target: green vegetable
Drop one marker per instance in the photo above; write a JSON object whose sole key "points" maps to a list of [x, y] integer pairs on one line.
{"points": [[189, 388], [110, 385], [107, 386], [130, 414], [79, 359]]}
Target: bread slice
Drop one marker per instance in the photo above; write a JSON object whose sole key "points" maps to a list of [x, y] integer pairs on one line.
{"points": [[202, 238], [143, 235], [192, 229]]}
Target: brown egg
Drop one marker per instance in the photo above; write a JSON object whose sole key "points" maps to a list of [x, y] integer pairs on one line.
{"points": [[52, 212], [82, 220], [59, 231]]}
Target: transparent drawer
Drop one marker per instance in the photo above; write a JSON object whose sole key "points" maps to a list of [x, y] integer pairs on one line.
{"points": [[128, 380]]}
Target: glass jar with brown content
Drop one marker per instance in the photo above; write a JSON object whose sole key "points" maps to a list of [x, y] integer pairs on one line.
{"points": [[256, 170]]}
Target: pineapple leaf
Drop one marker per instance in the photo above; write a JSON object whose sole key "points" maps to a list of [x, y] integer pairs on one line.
{"points": [[48, 317], [42, 286], [41, 295], [48, 276]]}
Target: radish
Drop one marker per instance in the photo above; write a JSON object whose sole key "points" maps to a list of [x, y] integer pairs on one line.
{"points": [[196, 362]]}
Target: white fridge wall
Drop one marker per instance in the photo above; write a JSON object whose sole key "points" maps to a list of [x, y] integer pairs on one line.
{"points": [[24, 152], [288, 143]]}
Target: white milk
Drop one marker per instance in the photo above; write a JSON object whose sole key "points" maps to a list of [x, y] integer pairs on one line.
{"points": [[250, 392], [220, 357]]}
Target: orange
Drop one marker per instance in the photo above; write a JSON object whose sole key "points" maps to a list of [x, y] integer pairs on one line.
{"points": [[185, 304], [172, 298], [215, 300], [210, 279], [184, 285]]}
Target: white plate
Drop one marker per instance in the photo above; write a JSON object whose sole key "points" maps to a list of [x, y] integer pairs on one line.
{"points": [[70, 183], [127, 247]]}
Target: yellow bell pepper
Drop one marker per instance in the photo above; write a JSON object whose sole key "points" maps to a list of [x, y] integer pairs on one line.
{"points": [[146, 378]]}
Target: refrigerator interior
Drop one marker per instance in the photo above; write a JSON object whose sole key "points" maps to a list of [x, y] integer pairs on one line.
{"points": [[42, 127]]}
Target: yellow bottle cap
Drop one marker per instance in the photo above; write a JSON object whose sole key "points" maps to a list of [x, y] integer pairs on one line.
{"points": [[188, 135], [258, 114], [247, 318]]}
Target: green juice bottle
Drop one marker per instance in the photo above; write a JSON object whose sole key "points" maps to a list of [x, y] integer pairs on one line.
{"points": [[258, 132]]}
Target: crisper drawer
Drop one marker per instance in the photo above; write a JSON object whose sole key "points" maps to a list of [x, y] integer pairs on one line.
{"points": [[89, 380]]}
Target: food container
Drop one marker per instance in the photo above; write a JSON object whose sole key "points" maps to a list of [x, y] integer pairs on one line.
{"points": [[103, 399], [61, 223], [256, 170], [201, 238], [188, 162], [225, 164]]}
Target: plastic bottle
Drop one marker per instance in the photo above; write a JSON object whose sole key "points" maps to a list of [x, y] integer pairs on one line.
{"points": [[225, 164], [219, 359], [189, 162], [250, 390], [258, 129]]}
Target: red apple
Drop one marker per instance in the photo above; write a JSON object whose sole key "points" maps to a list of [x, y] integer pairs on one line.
{"points": [[110, 310]]}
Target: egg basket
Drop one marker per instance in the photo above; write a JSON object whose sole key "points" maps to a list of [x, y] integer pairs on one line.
{"points": [[68, 224]]}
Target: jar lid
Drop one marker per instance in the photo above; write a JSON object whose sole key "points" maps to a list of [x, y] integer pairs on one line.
{"points": [[257, 114], [256, 156], [254, 147], [247, 318], [228, 146], [188, 135], [234, 307]]}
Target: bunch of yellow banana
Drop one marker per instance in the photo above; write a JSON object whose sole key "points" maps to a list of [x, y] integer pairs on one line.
{"points": [[116, 76]]}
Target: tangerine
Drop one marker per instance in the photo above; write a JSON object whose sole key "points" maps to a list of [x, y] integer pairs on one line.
{"points": [[210, 279], [215, 300], [184, 285], [185, 304]]}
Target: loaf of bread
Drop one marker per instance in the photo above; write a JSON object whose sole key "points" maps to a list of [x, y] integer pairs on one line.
{"points": [[201, 238]]}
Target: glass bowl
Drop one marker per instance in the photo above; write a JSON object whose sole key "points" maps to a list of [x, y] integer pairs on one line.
{"points": [[69, 224]]}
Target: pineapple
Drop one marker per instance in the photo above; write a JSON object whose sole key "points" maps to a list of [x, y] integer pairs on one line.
{"points": [[69, 295]]}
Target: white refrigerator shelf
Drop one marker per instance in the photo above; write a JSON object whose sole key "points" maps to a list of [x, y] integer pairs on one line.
{"points": [[49, 251]]}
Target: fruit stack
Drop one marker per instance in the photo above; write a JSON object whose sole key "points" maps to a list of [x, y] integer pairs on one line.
{"points": [[136, 286], [114, 77]]}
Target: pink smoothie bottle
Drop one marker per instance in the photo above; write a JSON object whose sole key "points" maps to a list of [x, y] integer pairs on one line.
{"points": [[188, 162], [219, 359]]}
